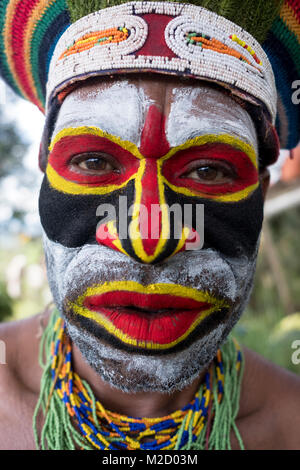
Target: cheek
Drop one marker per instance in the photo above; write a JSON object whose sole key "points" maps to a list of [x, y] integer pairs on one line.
{"points": [[72, 220], [231, 228], [68, 219], [58, 258]]}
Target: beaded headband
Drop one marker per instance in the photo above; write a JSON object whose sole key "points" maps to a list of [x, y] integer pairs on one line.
{"points": [[47, 44], [170, 38]]}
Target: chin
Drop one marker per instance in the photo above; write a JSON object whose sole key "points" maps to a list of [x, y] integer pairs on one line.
{"points": [[133, 372], [134, 366]]}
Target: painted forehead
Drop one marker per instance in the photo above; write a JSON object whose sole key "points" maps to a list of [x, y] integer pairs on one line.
{"points": [[120, 109]]}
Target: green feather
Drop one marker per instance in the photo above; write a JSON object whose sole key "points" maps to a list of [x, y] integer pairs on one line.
{"points": [[255, 17]]}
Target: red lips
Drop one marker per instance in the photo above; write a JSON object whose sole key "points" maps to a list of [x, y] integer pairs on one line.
{"points": [[158, 318]]}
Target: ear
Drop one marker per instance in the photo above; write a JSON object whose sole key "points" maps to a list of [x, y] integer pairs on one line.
{"points": [[42, 158], [49, 126], [264, 178]]}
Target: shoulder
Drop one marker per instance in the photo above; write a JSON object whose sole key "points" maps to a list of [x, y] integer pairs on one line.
{"points": [[20, 377], [269, 405], [19, 371]]}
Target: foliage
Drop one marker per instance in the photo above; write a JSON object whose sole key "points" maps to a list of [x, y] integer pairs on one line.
{"points": [[12, 145], [6, 307], [12, 150], [267, 335], [263, 325]]}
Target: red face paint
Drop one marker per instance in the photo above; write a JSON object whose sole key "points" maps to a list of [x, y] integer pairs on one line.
{"points": [[71, 146], [156, 318], [154, 142], [150, 179], [154, 145], [175, 169], [149, 199]]}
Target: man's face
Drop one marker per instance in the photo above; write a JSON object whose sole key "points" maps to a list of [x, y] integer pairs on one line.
{"points": [[146, 310]]}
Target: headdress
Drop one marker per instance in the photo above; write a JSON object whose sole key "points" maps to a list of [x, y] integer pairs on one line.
{"points": [[47, 45]]}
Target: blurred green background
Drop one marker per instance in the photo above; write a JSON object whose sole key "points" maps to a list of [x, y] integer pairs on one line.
{"points": [[271, 322]]}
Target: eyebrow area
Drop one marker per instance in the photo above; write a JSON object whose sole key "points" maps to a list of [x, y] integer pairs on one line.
{"points": [[197, 141]]}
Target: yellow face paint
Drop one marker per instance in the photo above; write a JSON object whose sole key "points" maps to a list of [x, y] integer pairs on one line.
{"points": [[173, 291], [151, 180]]}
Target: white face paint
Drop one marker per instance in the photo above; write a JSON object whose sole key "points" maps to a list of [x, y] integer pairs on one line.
{"points": [[71, 270], [201, 111], [120, 109]]}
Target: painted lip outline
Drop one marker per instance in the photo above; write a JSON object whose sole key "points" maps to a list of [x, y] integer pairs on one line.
{"points": [[144, 301], [155, 316]]}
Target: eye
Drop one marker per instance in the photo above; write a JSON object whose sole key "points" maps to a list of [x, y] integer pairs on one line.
{"points": [[94, 164], [211, 173]]}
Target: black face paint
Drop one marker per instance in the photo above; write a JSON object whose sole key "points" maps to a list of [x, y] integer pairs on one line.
{"points": [[230, 228]]}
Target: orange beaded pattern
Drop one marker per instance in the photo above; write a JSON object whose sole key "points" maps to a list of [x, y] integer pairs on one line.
{"points": [[206, 42], [86, 42]]}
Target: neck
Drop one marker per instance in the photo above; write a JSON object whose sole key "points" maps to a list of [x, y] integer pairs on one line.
{"points": [[141, 404]]}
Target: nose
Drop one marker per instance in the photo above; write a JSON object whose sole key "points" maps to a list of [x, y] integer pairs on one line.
{"points": [[151, 237], [149, 229]]}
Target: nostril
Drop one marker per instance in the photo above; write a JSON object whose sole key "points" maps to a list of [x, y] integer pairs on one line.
{"points": [[103, 233], [107, 235], [147, 250]]}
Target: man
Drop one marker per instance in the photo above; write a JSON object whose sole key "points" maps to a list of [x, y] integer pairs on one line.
{"points": [[142, 359]]}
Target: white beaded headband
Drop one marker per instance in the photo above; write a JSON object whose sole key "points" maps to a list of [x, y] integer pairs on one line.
{"points": [[171, 38]]}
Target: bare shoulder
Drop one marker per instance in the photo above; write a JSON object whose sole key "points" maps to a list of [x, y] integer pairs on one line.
{"points": [[21, 342], [19, 380], [269, 405]]}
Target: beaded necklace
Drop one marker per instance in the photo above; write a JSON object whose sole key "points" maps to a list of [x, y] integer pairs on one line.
{"points": [[75, 419]]}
